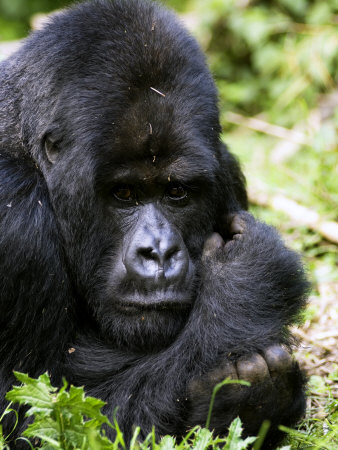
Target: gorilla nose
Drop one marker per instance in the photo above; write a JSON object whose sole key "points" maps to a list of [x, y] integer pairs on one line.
{"points": [[161, 258], [155, 251]]}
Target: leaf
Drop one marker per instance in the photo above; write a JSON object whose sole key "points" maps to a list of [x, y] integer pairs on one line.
{"points": [[64, 419], [37, 392], [234, 440], [75, 403], [203, 439], [168, 443]]}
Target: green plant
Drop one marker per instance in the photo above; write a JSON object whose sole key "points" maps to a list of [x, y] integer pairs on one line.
{"points": [[67, 419]]}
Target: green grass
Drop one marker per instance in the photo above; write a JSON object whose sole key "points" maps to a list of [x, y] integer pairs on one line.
{"points": [[66, 419]]}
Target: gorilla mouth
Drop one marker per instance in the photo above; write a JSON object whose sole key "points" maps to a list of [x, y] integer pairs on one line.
{"points": [[153, 302]]}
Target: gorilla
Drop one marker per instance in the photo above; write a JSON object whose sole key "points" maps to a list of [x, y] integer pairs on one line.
{"points": [[128, 261]]}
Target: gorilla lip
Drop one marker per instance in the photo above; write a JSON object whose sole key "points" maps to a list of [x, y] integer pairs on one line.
{"points": [[153, 303]]}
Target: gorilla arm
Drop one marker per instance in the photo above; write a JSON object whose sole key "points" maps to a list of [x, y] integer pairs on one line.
{"points": [[265, 289]]}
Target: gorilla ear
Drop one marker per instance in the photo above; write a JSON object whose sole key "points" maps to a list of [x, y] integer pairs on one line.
{"points": [[51, 149]]}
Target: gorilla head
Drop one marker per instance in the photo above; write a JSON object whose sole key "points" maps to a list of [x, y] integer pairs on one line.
{"points": [[121, 119]]}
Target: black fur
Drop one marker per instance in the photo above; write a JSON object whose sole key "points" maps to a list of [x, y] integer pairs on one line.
{"points": [[77, 109]]}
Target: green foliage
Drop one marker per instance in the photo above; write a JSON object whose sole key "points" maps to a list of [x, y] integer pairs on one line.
{"points": [[318, 433], [267, 54], [66, 419], [4, 439], [15, 15], [59, 416], [278, 61]]}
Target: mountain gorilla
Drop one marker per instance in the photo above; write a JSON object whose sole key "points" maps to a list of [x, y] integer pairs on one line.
{"points": [[128, 264]]}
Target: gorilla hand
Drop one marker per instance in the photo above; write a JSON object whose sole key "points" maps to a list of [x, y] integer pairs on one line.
{"points": [[275, 381]]}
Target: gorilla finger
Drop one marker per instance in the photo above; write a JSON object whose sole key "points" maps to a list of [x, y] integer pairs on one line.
{"points": [[280, 363], [229, 371], [213, 242], [237, 225], [253, 368], [278, 359], [207, 382]]}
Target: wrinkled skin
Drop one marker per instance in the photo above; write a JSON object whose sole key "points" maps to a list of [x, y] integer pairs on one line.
{"points": [[124, 236]]}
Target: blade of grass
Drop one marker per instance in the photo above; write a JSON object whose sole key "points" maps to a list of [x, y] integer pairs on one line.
{"points": [[262, 434]]}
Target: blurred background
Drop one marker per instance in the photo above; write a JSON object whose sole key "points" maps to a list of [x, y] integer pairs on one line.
{"points": [[276, 66]]}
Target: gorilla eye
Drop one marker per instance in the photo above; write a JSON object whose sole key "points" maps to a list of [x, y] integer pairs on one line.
{"points": [[176, 192], [123, 192]]}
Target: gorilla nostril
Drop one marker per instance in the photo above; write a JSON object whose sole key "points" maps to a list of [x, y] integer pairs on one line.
{"points": [[148, 253], [160, 256], [171, 252]]}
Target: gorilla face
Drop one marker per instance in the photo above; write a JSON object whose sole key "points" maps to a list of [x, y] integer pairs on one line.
{"points": [[134, 208]]}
